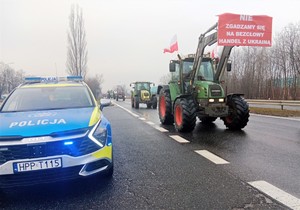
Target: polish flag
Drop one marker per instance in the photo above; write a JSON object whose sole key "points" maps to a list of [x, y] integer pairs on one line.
{"points": [[173, 45]]}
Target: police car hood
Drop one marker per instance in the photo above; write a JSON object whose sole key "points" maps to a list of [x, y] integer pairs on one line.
{"points": [[46, 122]]}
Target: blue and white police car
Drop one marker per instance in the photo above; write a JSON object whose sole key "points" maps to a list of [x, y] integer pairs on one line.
{"points": [[52, 129]]}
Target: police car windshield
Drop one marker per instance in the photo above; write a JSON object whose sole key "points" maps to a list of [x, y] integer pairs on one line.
{"points": [[41, 98]]}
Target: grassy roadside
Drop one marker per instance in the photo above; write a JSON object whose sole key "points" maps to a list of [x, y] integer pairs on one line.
{"points": [[275, 112]]}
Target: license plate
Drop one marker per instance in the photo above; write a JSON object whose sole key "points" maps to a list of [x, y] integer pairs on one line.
{"points": [[37, 165]]}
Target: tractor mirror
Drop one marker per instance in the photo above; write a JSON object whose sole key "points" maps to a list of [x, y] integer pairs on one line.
{"points": [[228, 66], [172, 67]]}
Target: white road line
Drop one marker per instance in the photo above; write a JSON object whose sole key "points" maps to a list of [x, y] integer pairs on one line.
{"points": [[179, 139], [278, 194], [212, 157], [130, 112], [142, 118], [161, 129], [135, 115]]}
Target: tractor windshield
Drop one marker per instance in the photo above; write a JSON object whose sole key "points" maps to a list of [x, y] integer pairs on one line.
{"points": [[143, 86], [205, 72], [187, 67]]}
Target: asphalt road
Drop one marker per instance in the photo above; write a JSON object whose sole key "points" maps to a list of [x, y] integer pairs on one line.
{"points": [[152, 171]]}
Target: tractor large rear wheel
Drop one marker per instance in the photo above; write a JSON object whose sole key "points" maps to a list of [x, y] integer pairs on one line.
{"points": [[238, 113], [184, 115], [165, 108]]}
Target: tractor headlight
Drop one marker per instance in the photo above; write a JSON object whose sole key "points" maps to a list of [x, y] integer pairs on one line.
{"points": [[221, 100], [211, 100], [99, 134]]}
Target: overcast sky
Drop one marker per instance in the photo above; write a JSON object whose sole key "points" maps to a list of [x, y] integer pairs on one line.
{"points": [[125, 38]]}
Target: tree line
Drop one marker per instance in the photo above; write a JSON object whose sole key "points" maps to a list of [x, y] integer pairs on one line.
{"points": [[268, 73]]}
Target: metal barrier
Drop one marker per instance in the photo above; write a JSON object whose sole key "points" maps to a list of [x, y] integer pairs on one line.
{"points": [[280, 103]]}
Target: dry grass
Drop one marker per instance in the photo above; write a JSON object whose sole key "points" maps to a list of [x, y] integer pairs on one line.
{"points": [[275, 112]]}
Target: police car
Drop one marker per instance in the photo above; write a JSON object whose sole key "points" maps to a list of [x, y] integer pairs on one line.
{"points": [[52, 129]]}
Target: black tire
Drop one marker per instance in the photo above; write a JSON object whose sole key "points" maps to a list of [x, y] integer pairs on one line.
{"points": [[184, 115], [117, 98], [154, 104], [238, 113], [207, 120], [132, 102], [165, 108], [136, 103], [149, 105], [123, 98]]}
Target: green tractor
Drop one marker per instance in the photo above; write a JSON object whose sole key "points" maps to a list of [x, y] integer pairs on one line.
{"points": [[195, 90], [120, 93], [142, 93]]}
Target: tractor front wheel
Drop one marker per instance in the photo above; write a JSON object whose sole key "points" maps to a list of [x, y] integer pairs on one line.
{"points": [[238, 113], [184, 115], [136, 102], [165, 108], [154, 102]]}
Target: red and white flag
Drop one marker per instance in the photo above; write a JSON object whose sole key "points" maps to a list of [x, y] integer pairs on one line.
{"points": [[173, 45]]}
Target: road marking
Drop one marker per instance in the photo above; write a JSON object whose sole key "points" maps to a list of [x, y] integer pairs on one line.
{"points": [[278, 194], [130, 112], [161, 129], [135, 115], [179, 139], [142, 118], [212, 157]]}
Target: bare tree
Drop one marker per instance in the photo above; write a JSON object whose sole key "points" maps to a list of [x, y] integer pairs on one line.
{"points": [[77, 45], [9, 78], [165, 79], [95, 85]]}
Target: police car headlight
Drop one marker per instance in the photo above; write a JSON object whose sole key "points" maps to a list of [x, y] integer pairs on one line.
{"points": [[98, 134]]}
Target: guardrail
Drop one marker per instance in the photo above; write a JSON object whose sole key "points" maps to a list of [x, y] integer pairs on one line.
{"points": [[280, 103]]}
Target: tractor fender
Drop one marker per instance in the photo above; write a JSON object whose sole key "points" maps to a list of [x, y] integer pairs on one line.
{"points": [[230, 95], [166, 87]]}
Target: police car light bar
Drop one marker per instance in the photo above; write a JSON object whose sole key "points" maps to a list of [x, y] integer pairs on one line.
{"points": [[52, 79], [33, 79], [74, 78]]}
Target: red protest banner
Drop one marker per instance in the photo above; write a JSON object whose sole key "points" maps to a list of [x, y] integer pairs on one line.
{"points": [[244, 30]]}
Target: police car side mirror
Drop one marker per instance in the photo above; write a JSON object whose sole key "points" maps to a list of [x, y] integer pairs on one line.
{"points": [[104, 102]]}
